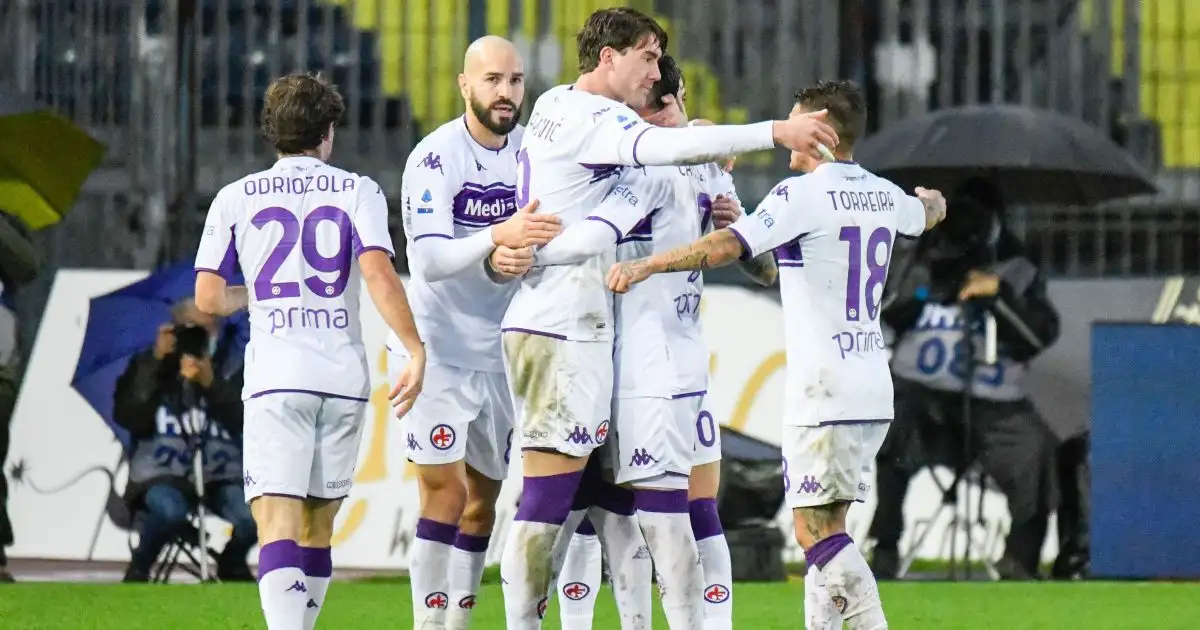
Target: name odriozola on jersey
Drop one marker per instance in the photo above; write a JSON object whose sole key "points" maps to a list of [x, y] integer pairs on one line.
{"points": [[297, 230]]}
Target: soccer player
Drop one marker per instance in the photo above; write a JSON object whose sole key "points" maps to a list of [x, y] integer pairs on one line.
{"points": [[558, 328], [833, 244], [303, 232], [459, 190], [665, 438]]}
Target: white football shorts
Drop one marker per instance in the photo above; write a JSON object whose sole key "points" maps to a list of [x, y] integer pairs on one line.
{"points": [[654, 437], [830, 463], [561, 391], [460, 415], [300, 444]]}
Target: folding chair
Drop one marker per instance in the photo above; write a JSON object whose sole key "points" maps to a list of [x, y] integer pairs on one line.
{"points": [[970, 534]]}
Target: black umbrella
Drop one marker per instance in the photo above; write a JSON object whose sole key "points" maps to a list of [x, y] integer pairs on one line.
{"points": [[1035, 156]]}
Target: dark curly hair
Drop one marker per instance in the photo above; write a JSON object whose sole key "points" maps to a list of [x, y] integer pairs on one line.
{"points": [[668, 84], [846, 105], [619, 28], [298, 110]]}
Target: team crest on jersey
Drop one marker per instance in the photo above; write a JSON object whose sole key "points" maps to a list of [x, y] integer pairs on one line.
{"points": [[602, 432], [436, 599], [716, 593], [442, 437], [542, 608], [576, 591], [467, 603]]}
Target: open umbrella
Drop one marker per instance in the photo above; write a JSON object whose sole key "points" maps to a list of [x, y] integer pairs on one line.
{"points": [[44, 159], [1035, 156], [124, 323]]}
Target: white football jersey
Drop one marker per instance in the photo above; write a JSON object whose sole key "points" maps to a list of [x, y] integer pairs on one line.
{"points": [[660, 349], [296, 230], [832, 231], [452, 188], [569, 161]]}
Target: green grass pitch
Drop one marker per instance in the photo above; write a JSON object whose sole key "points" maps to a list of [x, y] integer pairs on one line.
{"points": [[377, 605]]}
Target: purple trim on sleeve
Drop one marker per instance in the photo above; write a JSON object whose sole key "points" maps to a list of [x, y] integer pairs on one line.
{"points": [[381, 248], [635, 144], [530, 331], [616, 229], [747, 251], [434, 235]]}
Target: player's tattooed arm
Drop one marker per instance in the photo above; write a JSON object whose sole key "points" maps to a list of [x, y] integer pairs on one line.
{"points": [[761, 269], [717, 249]]}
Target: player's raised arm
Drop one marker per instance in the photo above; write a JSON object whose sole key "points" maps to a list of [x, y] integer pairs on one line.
{"points": [[216, 260], [771, 225], [621, 137]]}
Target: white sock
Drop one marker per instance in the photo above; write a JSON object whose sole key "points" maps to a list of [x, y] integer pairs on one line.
{"points": [[282, 587], [466, 571], [527, 564], [579, 579], [429, 571], [663, 516], [630, 569], [852, 587], [317, 564], [819, 611], [716, 563]]}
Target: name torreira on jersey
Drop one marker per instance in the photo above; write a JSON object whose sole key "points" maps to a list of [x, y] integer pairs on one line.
{"points": [[834, 229], [298, 229], [454, 190], [575, 146]]}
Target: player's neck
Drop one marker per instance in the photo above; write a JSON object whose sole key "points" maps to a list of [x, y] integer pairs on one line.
{"points": [[483, 135], [311, 154], [593, 84]]}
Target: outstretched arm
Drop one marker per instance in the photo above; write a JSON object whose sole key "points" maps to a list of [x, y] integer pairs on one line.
{"points": [[717, 249]]}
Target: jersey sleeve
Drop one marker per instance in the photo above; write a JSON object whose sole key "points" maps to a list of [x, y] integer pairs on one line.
{"points": [[428, 191], [610, 132], [631, 201], [218, 248], [910, 216], [371, 220], [783, 215]]}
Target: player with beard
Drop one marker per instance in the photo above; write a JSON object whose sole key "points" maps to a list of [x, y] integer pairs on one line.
{"points": [[459, 204]]}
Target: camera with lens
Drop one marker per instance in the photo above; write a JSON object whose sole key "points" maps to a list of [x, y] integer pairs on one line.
{"points": [[191, 340]]}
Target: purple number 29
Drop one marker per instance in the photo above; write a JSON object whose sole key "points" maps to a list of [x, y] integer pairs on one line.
{"points": [[522, 178], [305, 233], [877, 269]]}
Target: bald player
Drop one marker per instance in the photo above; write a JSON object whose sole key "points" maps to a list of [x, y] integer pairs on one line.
{"points": [[459, 191]]}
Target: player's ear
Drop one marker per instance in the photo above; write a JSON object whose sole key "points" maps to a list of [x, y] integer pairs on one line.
{"points": [[462, 85], [606, 55]]}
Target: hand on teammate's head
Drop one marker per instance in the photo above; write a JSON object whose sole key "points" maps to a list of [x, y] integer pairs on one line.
{"points": [[805, 133]]}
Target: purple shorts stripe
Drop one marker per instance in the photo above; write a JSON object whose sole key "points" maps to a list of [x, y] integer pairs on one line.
{"points": [[307, 391], [835, 423], [421, 236], [530, 331], [689, 394]]}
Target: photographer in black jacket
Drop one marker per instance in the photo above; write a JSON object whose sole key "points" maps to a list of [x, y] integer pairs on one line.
{"points": [[968, 267], [185, 391]]}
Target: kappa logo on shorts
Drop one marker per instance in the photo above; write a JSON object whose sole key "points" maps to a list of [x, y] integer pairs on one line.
{"points": [[602, 432], [810, 485], [542, 607], [436, 599], [576, 591], [467, 603], [579, 436], [247, 480], [413, 445], [641, 457], [442, 437], [716, 593]]}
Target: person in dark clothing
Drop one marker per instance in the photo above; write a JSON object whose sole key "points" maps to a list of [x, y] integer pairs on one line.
{"points": [[187, 386], [966, 268]]}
